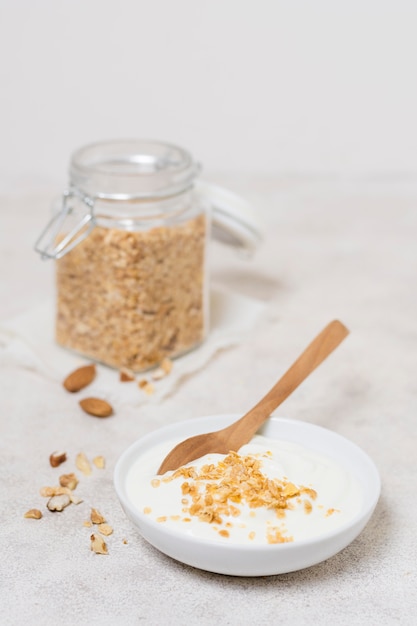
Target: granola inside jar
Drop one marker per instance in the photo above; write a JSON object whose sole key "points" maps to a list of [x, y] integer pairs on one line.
{"points": [[130, 244]]}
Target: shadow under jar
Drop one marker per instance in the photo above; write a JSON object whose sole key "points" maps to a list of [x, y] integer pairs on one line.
{"points": [[130, 241]]}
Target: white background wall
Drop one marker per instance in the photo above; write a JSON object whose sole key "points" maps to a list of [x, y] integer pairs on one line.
{"points": [[272, 86]]}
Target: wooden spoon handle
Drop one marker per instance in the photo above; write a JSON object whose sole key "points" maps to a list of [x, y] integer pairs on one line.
{"points": [[315, 353]]}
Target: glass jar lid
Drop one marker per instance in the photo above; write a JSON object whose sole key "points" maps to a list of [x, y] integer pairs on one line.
{"points": [[132, 169], [142, 171]]}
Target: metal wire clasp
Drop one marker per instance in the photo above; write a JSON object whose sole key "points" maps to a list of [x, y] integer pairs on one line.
{"points": [[50, 245]]}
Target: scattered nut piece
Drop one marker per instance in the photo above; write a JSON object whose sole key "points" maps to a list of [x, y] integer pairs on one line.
{"points": [[68, 480], [105, 529], [99, 462], [47, 492], [167, 365], [96, 517], [146, 386], [126, 375], [96, 407], [58, 503], [83, 464], [33, 514], [56, 458], [163, 370], [88, 523], [76, 499], [59, 491], [98, 545], [149, 389], [125, 542], [80, 378], [158, 373]]}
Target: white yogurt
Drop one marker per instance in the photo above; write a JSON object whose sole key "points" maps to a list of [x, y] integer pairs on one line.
{"points": [[338, 500]]}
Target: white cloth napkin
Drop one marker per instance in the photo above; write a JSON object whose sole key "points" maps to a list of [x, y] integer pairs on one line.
{"points": [[27, 341]]}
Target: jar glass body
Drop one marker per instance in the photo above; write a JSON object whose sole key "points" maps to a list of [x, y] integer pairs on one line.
{"points": [[133, 290]]}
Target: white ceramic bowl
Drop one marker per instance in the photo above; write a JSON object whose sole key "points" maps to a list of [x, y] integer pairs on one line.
{"points": [[253, 560]]}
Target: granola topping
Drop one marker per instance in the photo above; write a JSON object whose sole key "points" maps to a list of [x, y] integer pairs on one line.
{"points": [[270, 492]]}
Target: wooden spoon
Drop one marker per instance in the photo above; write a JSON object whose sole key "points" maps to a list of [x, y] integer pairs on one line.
{"points": [[240, 432]]}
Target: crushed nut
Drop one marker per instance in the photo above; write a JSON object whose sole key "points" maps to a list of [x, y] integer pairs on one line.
{"points": [[99, 462], [276, 535], [311, 493], [167, 365], [59, 491], [56, 458], [76, 499], [58, 503], [331, 511], [98, 545], [68, 480], [96, 517], [47, 492], [126, 375], [83, 464], [33, 514], [308, 507], [290, 490], [163, 370], [105, 529], [146, 386], [158, 374]]}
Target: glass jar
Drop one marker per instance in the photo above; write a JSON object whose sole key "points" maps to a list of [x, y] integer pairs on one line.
{"points": [[130, 243]]}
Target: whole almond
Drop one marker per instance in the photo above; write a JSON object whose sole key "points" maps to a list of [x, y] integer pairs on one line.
{"points": [[96, 407], [80, 378]]}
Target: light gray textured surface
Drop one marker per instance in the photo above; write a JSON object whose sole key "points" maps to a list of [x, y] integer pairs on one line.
{"points": [[336, 250]]}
